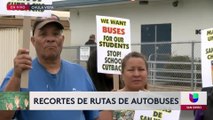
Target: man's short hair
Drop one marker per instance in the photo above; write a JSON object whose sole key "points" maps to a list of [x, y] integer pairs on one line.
{"points": [[92, 37], [41, 22]]}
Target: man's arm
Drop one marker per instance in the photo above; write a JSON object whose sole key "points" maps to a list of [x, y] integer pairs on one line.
{"points": [[22, 62]]}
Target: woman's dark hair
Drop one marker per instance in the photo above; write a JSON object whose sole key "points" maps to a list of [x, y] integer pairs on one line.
{"points": [[100, 80], [131, 55]]}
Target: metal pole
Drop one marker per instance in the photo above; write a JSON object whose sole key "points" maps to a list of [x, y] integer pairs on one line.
{"points": [[155, 56], [192, 67], [78, 55]]}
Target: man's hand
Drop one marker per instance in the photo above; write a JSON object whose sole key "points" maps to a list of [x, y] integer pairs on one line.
{"points": [[22, 62]]}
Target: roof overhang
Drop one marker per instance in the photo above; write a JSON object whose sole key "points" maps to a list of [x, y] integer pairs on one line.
{"points": [[70, 4]]}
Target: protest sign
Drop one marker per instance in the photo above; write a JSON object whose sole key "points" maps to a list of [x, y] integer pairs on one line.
{"points": [[157, 115], [207, 57], [113, 43]]}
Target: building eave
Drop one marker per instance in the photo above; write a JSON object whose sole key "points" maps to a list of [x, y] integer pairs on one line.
{"points": [[68, 4]]}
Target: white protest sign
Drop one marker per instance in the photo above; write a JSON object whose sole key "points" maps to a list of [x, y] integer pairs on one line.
{"points": [[157, 115], [113, 43], [207, 57], [26, 7]]}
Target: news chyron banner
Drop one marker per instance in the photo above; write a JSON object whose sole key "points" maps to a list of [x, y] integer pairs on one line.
{"points": [[207, 57], [165, 103], [104, 100], [188, 101], [35, 8], [14, 101], [193, 101], [118, 101], [113, 43]]}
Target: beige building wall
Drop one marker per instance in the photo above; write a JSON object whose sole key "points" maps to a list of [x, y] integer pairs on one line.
{"points": [[8, 47], [185, 19]]}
